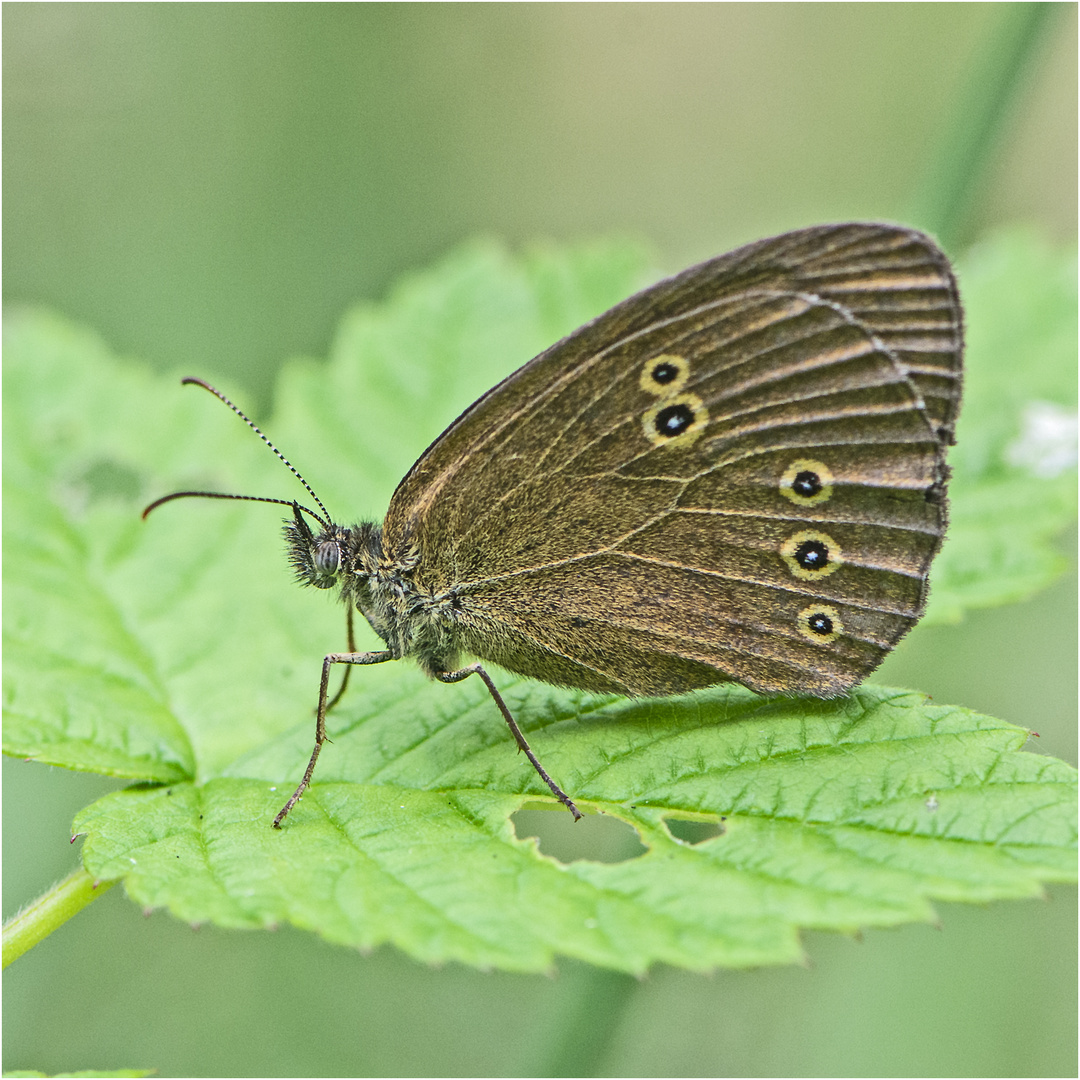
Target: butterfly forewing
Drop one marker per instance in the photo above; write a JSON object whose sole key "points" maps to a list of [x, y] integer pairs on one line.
{"points": [[736, 474]]}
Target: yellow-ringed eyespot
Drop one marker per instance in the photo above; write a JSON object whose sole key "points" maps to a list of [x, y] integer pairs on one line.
{"points": [[810, 554], [675, 421], [807, 482], [819, 623], [665, 375]]}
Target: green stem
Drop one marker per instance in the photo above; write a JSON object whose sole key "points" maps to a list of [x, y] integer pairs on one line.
{"points": [[944, 195], [589, 1022], [50, 911]]}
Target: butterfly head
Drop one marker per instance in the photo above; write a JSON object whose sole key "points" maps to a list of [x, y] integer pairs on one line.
{"points": [[317, 557]]}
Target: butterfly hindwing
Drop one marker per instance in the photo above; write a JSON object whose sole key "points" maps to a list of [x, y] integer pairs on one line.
{"points": [[736, 474]]}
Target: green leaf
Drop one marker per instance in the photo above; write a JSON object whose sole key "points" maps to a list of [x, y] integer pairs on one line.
{"points": [[81, 690], [833, 815], [87, 1072], [1014, 463], [178, 652]]}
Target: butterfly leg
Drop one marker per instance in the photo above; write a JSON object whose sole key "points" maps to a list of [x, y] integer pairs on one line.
{"points": [[320, 717], [519, 738], [350, 646]]}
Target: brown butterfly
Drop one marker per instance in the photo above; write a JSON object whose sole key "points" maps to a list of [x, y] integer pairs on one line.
{"points": [[738, 474]]}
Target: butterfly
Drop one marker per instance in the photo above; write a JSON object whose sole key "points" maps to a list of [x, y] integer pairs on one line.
{"points": [[737, 474]]}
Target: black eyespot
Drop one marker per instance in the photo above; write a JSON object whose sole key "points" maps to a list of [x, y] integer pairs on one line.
{"points": [[673, 420], [807, 484], [812, 555], [820, 624], [664, 375], [676, 420]]}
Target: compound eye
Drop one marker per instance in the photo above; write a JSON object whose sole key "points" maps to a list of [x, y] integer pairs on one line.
{"points": [[328, 558]]}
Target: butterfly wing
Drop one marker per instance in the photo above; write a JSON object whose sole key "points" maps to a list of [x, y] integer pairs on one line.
{"points": [[737, 474]]}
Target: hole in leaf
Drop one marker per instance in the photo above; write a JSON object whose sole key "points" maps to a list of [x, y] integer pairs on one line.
{"points": [[596, 837], [689, 831]]}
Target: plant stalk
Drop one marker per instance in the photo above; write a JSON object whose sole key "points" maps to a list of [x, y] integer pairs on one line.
{"points": [[50, 911], [944, 196]]}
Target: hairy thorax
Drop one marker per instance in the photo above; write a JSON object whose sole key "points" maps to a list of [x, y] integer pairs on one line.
{"points": [[412, 616]]}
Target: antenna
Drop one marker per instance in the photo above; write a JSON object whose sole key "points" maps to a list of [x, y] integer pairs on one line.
{"points": [[325, 520], [225, 495], [254, 427]]}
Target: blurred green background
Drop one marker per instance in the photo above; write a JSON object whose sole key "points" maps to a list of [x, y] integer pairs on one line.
{"points": [[211, 186]]}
